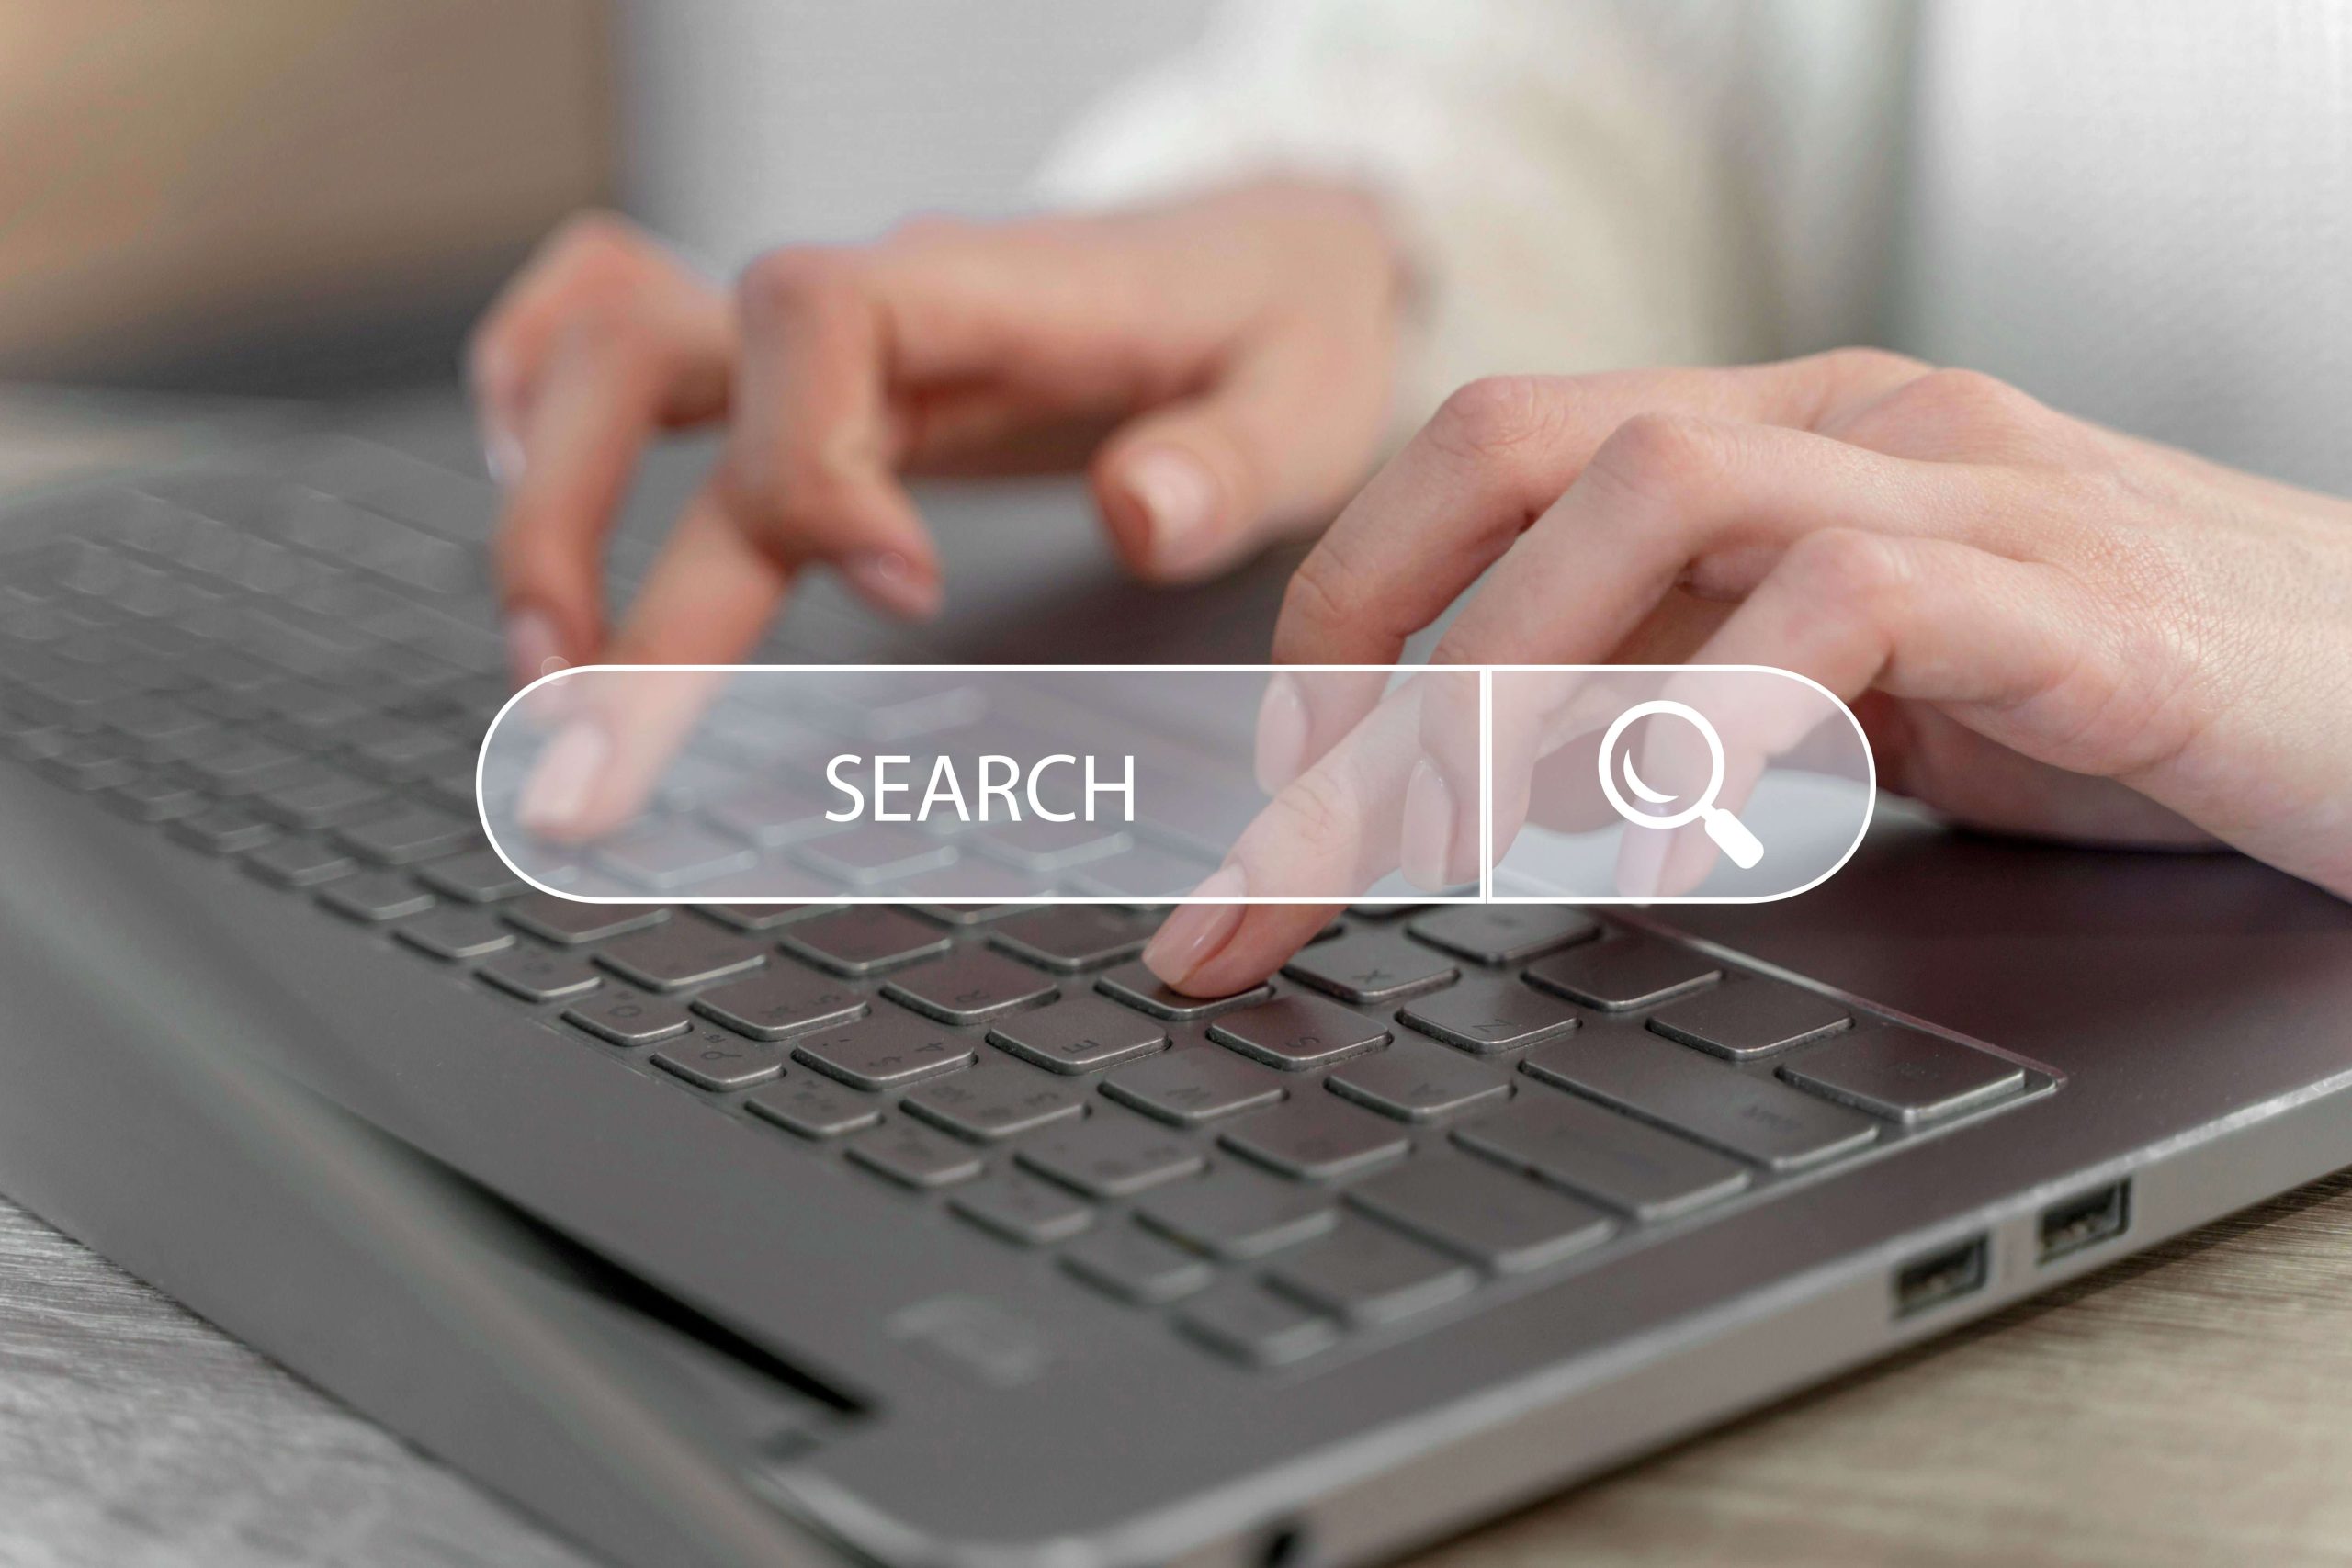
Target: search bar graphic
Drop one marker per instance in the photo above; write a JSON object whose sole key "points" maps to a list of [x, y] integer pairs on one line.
{"points": [[995, 785]]}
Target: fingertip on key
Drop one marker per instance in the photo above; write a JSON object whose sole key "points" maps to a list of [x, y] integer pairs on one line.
{"points": [[1194, 934]]}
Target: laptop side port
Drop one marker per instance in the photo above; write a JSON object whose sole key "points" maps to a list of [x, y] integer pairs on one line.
{"points": [[2084, 1220], [1941, 1277]]}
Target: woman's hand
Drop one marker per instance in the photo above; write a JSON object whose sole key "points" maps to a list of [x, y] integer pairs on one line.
{"points": [[2046, 627], [1221, 367]]}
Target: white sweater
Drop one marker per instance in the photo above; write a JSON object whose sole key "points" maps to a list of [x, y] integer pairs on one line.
{"points": [[2139, 209]]}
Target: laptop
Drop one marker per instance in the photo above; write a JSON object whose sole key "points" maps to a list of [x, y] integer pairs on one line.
{"points": [[1079, 1271]]}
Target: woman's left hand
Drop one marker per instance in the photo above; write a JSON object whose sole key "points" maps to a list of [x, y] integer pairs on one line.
{"points": [[2045, 626]]}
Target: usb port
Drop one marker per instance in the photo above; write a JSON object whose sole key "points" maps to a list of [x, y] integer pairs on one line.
{"points": [[2086, 1219], [1941, 1277]]}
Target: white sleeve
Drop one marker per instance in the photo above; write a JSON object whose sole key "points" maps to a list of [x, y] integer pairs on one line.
{"points": [[1583, 183]]}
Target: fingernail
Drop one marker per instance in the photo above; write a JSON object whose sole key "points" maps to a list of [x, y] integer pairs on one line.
{"points": [[534, 648], [1641, 860], [889, 581], [1193, 932], [1426, 853], [1178, 495], [504, 455], [1282, 734], [561, 781]]}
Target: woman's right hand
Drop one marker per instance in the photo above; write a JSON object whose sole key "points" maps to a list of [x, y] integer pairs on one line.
{"points": [[1221, 367]]}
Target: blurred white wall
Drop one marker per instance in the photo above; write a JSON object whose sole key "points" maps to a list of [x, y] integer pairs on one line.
{"points": [[745, 123]]}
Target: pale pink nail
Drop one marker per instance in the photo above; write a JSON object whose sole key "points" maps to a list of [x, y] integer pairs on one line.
{"points": [[563, 779], [502, 454], [889, 581], [1282, 734], [1193, 934], [1178, 495], [1426, 852], [534, 648]]}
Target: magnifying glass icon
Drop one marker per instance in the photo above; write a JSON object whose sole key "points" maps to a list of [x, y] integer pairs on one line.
{"points": [[1730, 834]]}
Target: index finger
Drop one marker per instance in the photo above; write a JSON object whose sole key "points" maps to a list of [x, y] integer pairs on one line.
{"points": [[1494, 458], [811, 453]]}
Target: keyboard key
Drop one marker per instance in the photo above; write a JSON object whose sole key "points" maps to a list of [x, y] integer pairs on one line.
{"points": [[1605, 1156], [570, 922], [396, 749], [299, 863], [157, 799], [477, 878], [681, 953], [160, 728], [1754, 1117], [970, 986], [809, 1107], [1136, 1266], [873, 853], [1363, 1274], [914, 1156], [1111, 1155], [1504, 933], [1193, 1085], [409, 836], [537, 975], [1416, 1081], [1750, 1017], [323, 802], [1237, 1213], [1136, 987], [767, 813], [222, 770], [664, 855], [1295, 1032], [623, 1016], [1249, 1323], [1039, 848], [995, 1100], [890, 1049], [1372, 966], [1022, 1208], [454, 933], [1623, 973], [375, 896], [1079, 1035], [967, 882], [781, 1002], [963, 915], [1498, 1220], [89, 765], [1143, 872], [1071, 937], [1318, 1139], [865, 940], [715, 1059], [223, 830], [1488, 1013], [761, 917], [1904, 1074]]}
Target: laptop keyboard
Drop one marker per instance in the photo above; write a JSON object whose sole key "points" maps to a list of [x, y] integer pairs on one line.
{"points": [[289, 669]]}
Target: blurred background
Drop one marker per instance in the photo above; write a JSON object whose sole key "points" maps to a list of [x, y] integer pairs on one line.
{"points": [[2139, 211], [301, 197]]}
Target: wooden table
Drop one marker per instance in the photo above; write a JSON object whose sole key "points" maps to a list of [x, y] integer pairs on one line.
{"points": [[2193, 1406]]}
